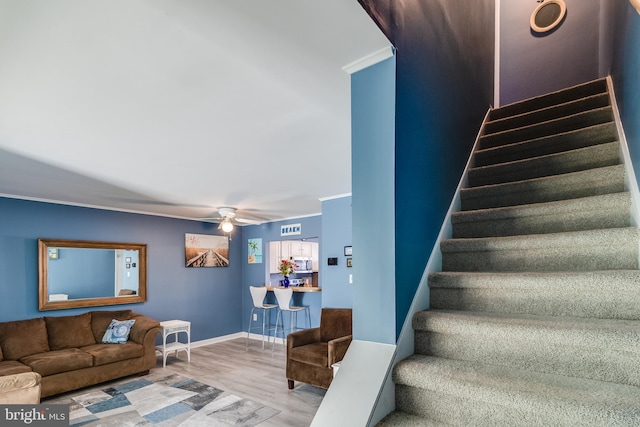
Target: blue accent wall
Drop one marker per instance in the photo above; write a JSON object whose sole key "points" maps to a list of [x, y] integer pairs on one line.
{"points": [[625, 72], [255, 274], [337, 292], [373, 95], [211, 298], [445, 54]]}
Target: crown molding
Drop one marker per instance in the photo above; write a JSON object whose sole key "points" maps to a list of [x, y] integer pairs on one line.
{"points": [[369, 60]]}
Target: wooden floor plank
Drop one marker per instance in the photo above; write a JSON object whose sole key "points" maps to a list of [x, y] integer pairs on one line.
{"points": [[255, 374]]}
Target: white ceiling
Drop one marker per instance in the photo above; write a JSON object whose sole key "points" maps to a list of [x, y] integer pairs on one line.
{"points": [[178, 107]]}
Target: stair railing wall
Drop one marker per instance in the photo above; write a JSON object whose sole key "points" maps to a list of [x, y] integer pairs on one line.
{"points": [[630, 177], [405, 343]]}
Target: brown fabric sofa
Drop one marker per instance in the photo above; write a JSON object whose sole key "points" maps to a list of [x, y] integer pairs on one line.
{"points": [[68, 353], [21, 388], [311, 352]]}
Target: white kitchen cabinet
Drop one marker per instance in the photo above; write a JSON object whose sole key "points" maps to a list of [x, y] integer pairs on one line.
{"points": [[315, 256], [274, 257], [285, 250], [302, 249]]}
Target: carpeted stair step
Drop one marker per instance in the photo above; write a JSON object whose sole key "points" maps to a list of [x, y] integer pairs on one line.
{"points": [[589, 250], [611, 294], [580, 138], [402, 419], [465, 393], [547, 100], [551, 127], [586, 213], [548, 113], [600, 349], [592, 182], [551, 164]]}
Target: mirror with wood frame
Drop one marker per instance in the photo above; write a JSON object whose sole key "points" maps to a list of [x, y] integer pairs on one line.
{"points": [[81, 273]]}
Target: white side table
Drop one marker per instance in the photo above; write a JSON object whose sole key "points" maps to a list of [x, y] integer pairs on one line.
{"points": [[174, 327]]}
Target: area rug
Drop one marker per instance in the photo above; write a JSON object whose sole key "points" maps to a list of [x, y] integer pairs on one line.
{"points": [[161, 400]]}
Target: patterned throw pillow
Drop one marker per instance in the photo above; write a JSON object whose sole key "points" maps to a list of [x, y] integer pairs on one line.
{"points": [[118, 331]]}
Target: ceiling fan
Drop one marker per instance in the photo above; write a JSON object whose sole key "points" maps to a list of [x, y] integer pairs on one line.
{"points": [[228, 217]]}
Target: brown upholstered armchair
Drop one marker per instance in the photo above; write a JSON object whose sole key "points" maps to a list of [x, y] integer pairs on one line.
{"points": [[311, 352]]}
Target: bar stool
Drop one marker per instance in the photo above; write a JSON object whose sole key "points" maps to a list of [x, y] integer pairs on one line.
{"points": [[257, 295], [284, 304]]}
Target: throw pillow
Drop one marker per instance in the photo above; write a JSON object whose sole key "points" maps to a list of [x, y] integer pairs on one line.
{"points": [[118, 331], [100, 320]]}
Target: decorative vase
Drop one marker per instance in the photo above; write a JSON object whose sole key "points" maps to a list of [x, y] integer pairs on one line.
{"points": [[285, 282]]}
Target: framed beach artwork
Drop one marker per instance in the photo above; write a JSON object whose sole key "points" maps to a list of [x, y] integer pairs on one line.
{"points": [[203, 250], [255, 251]]}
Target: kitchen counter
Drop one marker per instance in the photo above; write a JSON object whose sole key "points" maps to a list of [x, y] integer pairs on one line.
{"points": [[297, 288]]}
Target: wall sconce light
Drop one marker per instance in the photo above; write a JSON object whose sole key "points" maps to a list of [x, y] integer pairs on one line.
{"points": [[636, 4]]}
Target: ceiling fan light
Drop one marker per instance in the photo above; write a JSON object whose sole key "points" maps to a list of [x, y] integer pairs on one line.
{"points": [[226, 226]]}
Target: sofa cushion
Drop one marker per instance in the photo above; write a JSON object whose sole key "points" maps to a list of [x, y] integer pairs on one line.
{"points": [[55, 362], [69, 331], [10, 367], [22, 338], [313, 354], [107, 353], [100, 321], [335, 323]]}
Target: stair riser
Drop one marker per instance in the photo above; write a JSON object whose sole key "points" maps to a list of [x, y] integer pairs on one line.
{"points": [[586, 137], [578, 221], [606, 211], [478, 410], [570, 258], [545, 101], [577, 121], [567, 162], [550, 113], [445, 408], [569, 186], [540, 351], [603, 305]]}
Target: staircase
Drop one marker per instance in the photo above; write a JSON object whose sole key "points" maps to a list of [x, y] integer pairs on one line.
{"points": [[535, 317]]}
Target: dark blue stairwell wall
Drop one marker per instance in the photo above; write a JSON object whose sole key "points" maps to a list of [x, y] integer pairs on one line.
{"points": [[625, 72], [443, 90]]}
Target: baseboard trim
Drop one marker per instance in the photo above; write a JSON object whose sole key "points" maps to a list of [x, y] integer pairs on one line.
{"points": [[209, 341]]}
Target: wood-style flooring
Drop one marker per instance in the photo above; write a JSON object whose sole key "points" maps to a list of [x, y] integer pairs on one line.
{"points": [[255, 374]]}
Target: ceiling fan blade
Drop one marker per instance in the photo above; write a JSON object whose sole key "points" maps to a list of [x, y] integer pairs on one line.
{"points": [[247, 221]]}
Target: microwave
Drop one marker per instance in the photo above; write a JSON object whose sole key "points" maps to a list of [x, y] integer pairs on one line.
{"points": [[302, 265]]}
